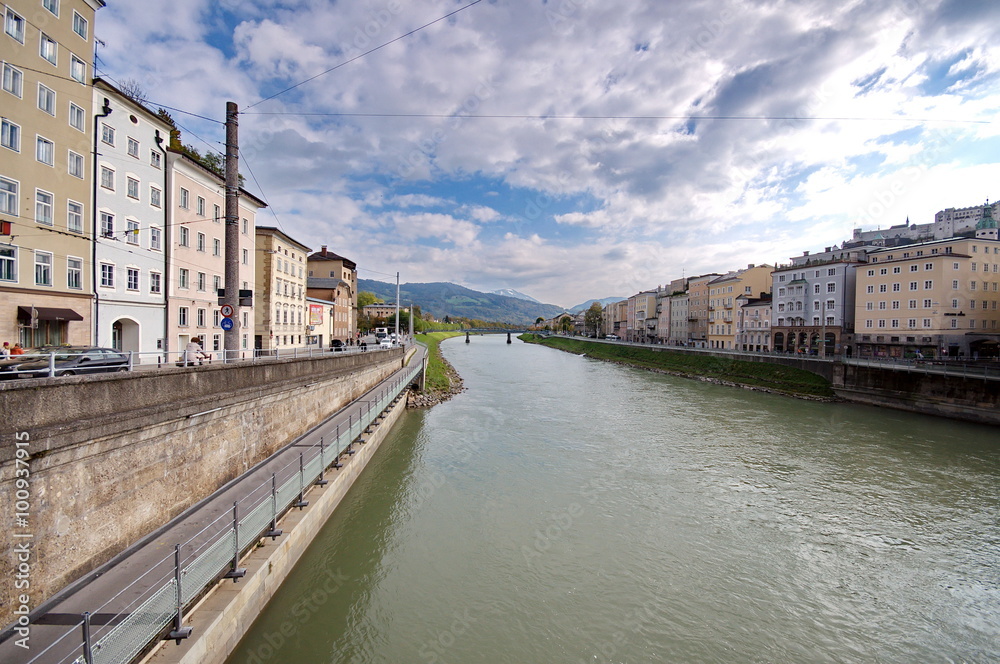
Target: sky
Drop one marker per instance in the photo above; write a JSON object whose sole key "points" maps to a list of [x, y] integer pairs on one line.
{"points": [[577, 149]]}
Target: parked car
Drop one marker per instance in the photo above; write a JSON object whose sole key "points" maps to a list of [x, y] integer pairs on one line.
{"points": [[386, 343], [612, 337], [69, 360]]}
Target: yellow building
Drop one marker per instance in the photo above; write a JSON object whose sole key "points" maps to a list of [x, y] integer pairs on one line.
{"points": [[936, 299], [281, 314], [754, 281], [46, 172]]}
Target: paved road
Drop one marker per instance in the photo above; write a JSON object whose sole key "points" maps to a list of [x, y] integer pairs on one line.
{"points": [[56, 634]]}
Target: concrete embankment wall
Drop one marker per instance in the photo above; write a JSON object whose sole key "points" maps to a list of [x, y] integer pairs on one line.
{"points": [[113, 458], [965, 398], [225, 616]]}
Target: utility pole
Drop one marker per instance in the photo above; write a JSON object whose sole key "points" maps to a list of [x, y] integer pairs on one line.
{"points": [[232, 285], [397, 307]]}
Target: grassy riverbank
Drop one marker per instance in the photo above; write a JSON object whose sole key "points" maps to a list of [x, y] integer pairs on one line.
{"points": [[441, 377], [757, 375]]}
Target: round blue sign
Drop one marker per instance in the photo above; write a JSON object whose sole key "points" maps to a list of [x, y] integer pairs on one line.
{"points": [[227, 324]]}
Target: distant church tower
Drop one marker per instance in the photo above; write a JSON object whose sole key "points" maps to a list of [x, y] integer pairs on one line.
{"points": [[987, 229]]}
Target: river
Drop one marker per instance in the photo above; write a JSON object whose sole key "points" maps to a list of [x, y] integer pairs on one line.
{"points": [[568, 510]]}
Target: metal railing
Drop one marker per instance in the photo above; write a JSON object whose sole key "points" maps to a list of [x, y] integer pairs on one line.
{"points": [[171, 585], [51, 364]]}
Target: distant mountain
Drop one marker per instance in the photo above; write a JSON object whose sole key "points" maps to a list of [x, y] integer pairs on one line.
{"points": [[604, 302], [510, 292], [447, 299]]}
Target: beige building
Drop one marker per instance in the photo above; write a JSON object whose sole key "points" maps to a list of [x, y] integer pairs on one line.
{"points": [[335, 278], [46, 172], [281, 315], [642, 317], [698, 309], [196, 269], [935, 299], [754, 281]]}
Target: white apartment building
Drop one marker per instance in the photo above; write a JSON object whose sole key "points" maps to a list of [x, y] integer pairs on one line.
{"points": [[129, 224], [196, 270]]}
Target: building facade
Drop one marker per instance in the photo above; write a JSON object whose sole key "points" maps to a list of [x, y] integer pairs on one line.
{"points": [[754, 281], [335, 278], [196, 267], [753, 324], [698, 309], [936, 299], [129, 225], [46, 172], [281, 314]]}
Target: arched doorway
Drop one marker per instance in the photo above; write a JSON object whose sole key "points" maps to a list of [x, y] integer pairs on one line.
{"points": [[779, 341], [125, 335]]}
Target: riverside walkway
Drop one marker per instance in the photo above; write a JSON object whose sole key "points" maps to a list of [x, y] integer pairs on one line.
{"points": [[117, 611]]}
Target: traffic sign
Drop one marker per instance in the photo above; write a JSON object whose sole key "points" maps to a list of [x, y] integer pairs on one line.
{"points": [[226, 324], [227, 310]]}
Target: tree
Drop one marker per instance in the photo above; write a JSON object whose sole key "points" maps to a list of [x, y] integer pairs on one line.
{"points": [[566, 323], [132, 89], [592, 319], [365, 298]]}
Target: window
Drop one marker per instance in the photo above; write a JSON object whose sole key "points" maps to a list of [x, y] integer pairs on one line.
{"points": [[74, 164], [927, 322], [8, 263], [216, 318], [912, 304], [884, 271], [972, 285], [871, 273], [79, 25], [182, 316], [930, 266], [928, 285], [132, 278], [46, 100], [47, 48], [74, 273], [201, 281], [44, 151], [954, 284], [77, 69], [831, 272], [201, 206], [913, 268], [8, 197], [154, 282], [43, 268], [896, 270], [218, 214], [132, 234], [183, 280], [14, 25], [216, 247], [107, 134], [246, 257], [185, 238], [107, 178], [217, 283], [927, 304], [881, 305], [132, 188], [43, 207], [895, 322], [107, 224], [954, 303], [201, 318], [954, 323], [76, 117], [895, 304], [201, 242], [882, 288], [154, 196], [13, 80], [10, 135], [185, 198], [133, 147], [52, 6], [246, 225], [831, 288], [895, 288], [913, 285], [155, 159], [74, 216], [155, 236]]}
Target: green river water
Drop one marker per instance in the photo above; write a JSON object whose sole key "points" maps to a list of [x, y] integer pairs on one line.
{"points": [[568, 510]]}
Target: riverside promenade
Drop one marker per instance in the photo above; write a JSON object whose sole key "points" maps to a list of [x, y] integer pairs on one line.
{"points": [[137, 592]]}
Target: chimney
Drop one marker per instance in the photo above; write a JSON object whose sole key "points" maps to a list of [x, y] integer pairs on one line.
{"points": [[750, 266], [805, 253], [323, 250]]}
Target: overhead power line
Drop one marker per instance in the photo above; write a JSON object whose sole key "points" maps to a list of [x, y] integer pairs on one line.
{"points": [[517, 116], [369, 51]]}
